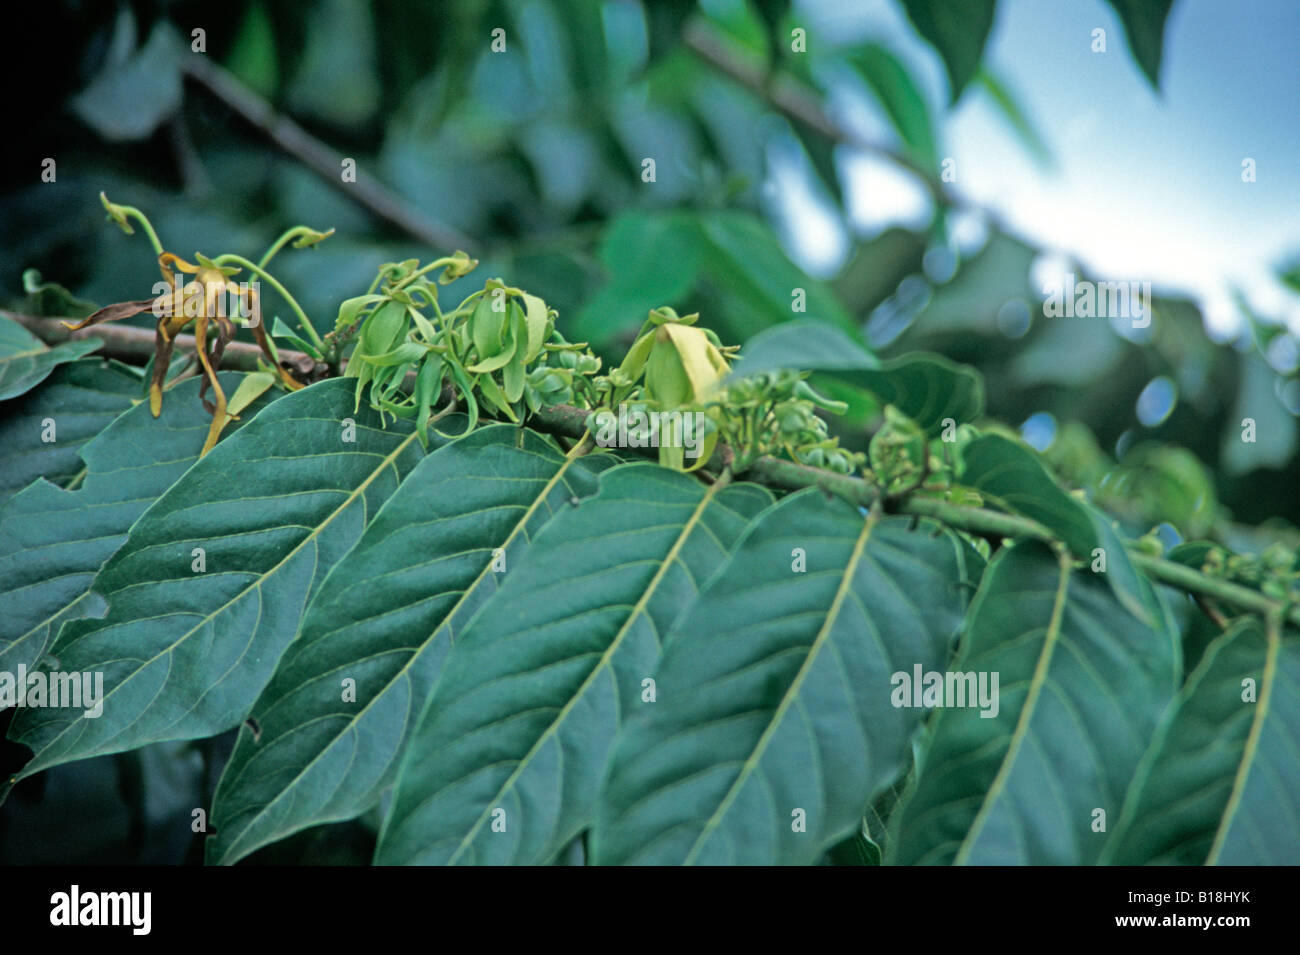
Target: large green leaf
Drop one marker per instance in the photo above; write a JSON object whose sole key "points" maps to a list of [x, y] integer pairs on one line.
{"points": [[520, 724], [185, 652], [805, 346], [1221, 782], [1012, 475], [927, 388], [42, 431], [775, 691], [1082, 685], [26, 361], [957, 30], [1144, 25], [53, 541], [385, 618]]}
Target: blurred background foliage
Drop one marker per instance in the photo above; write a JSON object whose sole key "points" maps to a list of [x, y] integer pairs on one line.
{"points": [[532, 159]]}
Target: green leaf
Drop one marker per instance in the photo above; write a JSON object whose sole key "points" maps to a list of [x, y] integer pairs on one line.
{"points": [[253, 385], [26, 361], [740, 24], [927, 388], [1194, 554], [53, 541], [1221, 781], [253, 57], [403, 354], [78, 401], [52, 299], [1120, 571], [487, 325], [386, 617], [774, 691], [351, 309], [490, 390], [428, 385], [806, 346], [282, 331], [891, 84], [185, 651], [745, 260], [129, 99], [1290, 275], [1012, 475], [957, 30], [652, 259], [1144, 25], [535, 316], [857, 849], [1010, 108], [1082, 685], [384, 329], [1001, 468], [533, 693]]}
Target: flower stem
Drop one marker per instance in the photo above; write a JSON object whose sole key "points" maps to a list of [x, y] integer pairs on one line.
{"points": [[141, 218], [288, 236], [257, 270]]}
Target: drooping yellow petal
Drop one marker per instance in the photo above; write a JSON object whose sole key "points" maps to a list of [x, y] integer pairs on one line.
{"points": [[168, 259], [703, 364]]}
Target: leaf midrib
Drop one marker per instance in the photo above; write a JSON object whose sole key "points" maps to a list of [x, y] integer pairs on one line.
{"points": [[1273, 635], [1027, 712], [637, 610], [261, 578], [751, 762], [577, 451]]}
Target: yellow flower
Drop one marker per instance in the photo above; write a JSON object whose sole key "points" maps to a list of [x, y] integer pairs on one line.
{"points": [[202, 302]]}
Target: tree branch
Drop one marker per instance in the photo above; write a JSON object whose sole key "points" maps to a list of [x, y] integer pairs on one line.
{"points": [[789, 475], [123, 341], [321, 159], [795, 101], [133, 344]]}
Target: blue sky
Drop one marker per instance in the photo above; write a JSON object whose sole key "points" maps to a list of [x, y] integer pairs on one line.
{"points": [[1146, 185]]}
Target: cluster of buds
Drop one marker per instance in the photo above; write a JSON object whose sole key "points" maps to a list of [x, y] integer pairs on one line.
{"points": [[498, 349], [899, 453], [563, 377], [1275, 571], [777, 411]]}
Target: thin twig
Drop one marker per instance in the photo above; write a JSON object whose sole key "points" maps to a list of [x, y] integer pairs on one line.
{"points": [[321, 159], [1208, 608], [796, 101], [792, 98]]}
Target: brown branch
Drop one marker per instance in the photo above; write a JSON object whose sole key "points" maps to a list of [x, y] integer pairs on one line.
{"points": [[133, 344], [321, 159], [798, 102], [795, 101]]}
